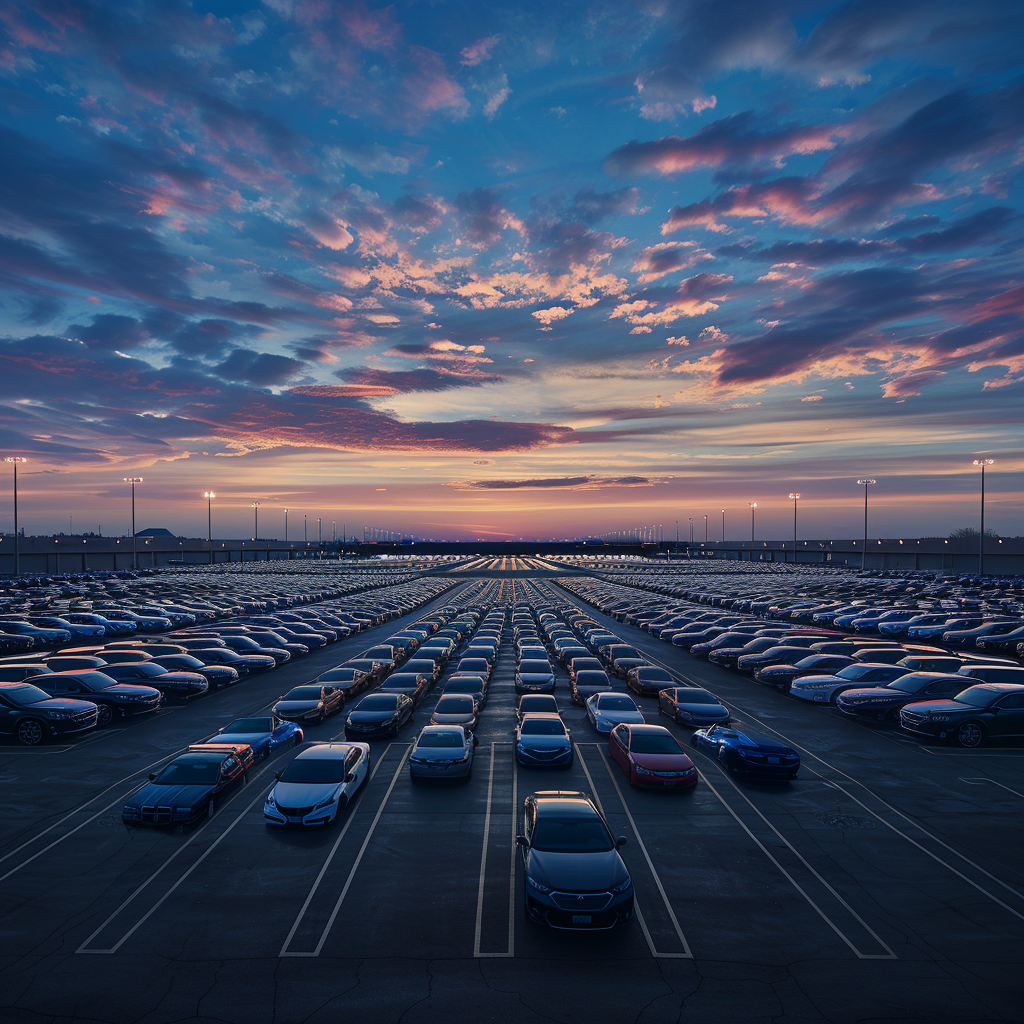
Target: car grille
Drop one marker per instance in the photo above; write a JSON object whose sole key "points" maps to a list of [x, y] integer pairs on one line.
{"points": [[545, 752], [669, 775], [295, 812], [581, 901], [912, 717], [156, 815], [84, 717]]}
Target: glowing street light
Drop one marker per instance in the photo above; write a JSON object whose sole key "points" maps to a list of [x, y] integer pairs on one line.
{"points": [[865, 483], [691, 529], [794, 496], [723, 525], [15, 461], [209, 496], [133, 480], [286, 524], [753, 505], [255, 520], [705, 529], [981, 540]]}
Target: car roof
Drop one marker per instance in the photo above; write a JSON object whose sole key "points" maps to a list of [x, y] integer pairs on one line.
{"points": [[647, 728], [443, 728], [549, 716], [325, 751], [1000, 688], [563, 804], [215, 754]]}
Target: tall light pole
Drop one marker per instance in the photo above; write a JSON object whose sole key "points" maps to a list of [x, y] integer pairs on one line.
{"points": [[981, 540], [15, 461], [255, 520], [209, 496], [305, 528], [705, 529], [677, 538], [865, 483], [320, 530], [133, 480], [723, 525], [794, 496], [691, 529], [753, 505], [286, 525]]}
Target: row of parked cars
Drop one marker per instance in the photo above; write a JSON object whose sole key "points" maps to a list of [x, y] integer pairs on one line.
{"points": [[75, 689], [943, 692]]}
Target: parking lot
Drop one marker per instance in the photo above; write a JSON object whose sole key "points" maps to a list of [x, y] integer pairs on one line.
{"points": [[886, 882]]}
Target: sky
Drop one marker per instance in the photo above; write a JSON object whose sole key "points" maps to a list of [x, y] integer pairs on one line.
{"points": [[502, 270]]}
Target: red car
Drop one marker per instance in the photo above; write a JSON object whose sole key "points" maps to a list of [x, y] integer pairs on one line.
{"points": [[651, 756]]}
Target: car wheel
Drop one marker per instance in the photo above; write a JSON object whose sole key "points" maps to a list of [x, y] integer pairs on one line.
{"points": [[30, 732], [970, 734], [297, 739], [323, 714], [106, 715]]}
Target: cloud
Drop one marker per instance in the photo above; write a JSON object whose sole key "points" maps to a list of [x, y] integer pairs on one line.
{"points": [[656, 261], [590, 206], [396, 382], [112, 332], [549, 316], [739, 138], [258, 368], [478, 52], [574, 483], [484, 218]]}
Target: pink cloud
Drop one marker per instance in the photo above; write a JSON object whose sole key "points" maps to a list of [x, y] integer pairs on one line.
{"points": [[478, 52]]}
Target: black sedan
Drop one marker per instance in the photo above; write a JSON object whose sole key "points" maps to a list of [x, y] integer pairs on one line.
{"points": [[215, 675], [881, 703], [378, 714], [31, 715], [412, 684], [575, 878], [173, 685], [243, 664], [647, 679], [186, 790], [312, 702], [692, 705], [782, 676], [113, 699], [973, 715]]}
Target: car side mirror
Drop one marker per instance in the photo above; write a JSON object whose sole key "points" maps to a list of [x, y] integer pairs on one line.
{"points": [[277, 775], [620, 841], [152, 776], [523, 842]]}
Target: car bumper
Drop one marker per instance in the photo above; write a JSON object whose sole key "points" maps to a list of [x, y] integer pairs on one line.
{"points": [[69, 727], [532, 759], [813, 696], [544, 910], [300, 816], [440, 769], [546, 686], [377, 732], [662, 782]]}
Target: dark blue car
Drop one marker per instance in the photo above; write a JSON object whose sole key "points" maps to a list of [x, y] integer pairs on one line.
{"points": [[186, 790], [746, 753], [264, 734]]}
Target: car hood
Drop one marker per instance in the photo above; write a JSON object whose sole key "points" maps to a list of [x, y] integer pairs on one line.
{"points": [[544, 742], [304, 794], [870, 692], [173, 796], [805, 680], [130, 690], [62, 704], [762, 743], [702, 710], [629, 717], [371, 716], [926, 706], [253, 739], [574, 872], [535, 675], [663, 762], [460, 719]]}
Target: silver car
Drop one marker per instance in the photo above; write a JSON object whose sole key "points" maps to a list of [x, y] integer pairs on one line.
{"points": [[443, 752]]}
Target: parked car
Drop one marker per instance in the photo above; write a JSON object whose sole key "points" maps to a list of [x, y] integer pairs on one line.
{"points": [[746, 753], [535, 676], [378, 714], [983, 711], [605, 710], [585, 684], [442, 752], [181, 686], [541, 740], [474, 686], [263, 733], [575, 878], [825, 689], [455, 709], [692, 705], [652, 757], [347, 678], [782, 676], [186, 791], [883, 703], [32, 715], [113, 699], [649, 679], [536, 703], [317, 784]]}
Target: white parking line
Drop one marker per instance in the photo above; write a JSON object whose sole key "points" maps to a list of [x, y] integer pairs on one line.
{"points": [[981, 779], [483, 867], [285, 951]]}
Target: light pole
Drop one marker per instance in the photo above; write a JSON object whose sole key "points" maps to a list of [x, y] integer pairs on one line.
{"points": [[723, 525], [133, 480], [705, 529], [305, 528], [753, 505], [209, 496], [691, 529], [981, 540], [794, 496], [286, 525], [320, 530], [255, 520], [865, 483], [677, 538], [15, 460]]}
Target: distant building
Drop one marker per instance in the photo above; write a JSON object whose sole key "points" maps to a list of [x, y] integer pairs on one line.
{"points": [[155, 532]]}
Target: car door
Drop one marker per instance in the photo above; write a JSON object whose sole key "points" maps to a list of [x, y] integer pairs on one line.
{"points": [[8, 716], [1008, 719], [618, 743]]}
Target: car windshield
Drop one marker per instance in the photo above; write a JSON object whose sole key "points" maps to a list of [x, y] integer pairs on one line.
{"points": [[909, 683], [456, 705], [571, 835], [855, 671], [976, 696], [534, 666], [25, 694], [303, 693], [616, 703], [695, 697], [441, 739], [464, 686], [377, 702], [653, 673], [250, 725], [339, 675], [653, 743], [543, 727], [189, 773], [324, 770]]}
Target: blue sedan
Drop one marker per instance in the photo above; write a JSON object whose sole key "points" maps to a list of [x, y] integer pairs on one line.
{"points": [[264, 734], [747, 753]]}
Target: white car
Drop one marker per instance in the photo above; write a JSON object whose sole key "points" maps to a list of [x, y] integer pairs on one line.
{"points": [[442, 752], [317, 784], [825, 689], [607, 710]]}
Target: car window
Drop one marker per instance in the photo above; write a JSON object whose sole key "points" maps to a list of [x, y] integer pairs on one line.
{"points": [[1012, 702], [942, 689], [250, 725], [315, 770], [615, 702], [440, 739], [351, 760], [542, 727], [189, 773], [571, 835], [653, 743], [377, 702], [303, 693], [695, 696], [25, 694]]}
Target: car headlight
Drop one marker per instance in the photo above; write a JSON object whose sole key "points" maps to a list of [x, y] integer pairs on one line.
{"points": [[271, 802], [182, 812], [640, 770], [57, 715], [622, 886], [329, 799], [534, 884]]}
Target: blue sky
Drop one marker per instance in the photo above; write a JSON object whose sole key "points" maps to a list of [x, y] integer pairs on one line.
{"points": [[532, 269]]}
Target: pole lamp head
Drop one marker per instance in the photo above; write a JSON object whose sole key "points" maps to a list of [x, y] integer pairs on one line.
{"points": [[133, 479], [752, 504], [793, 495], [867, 482], [208, 495], [977, 462], [15, 459]]}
